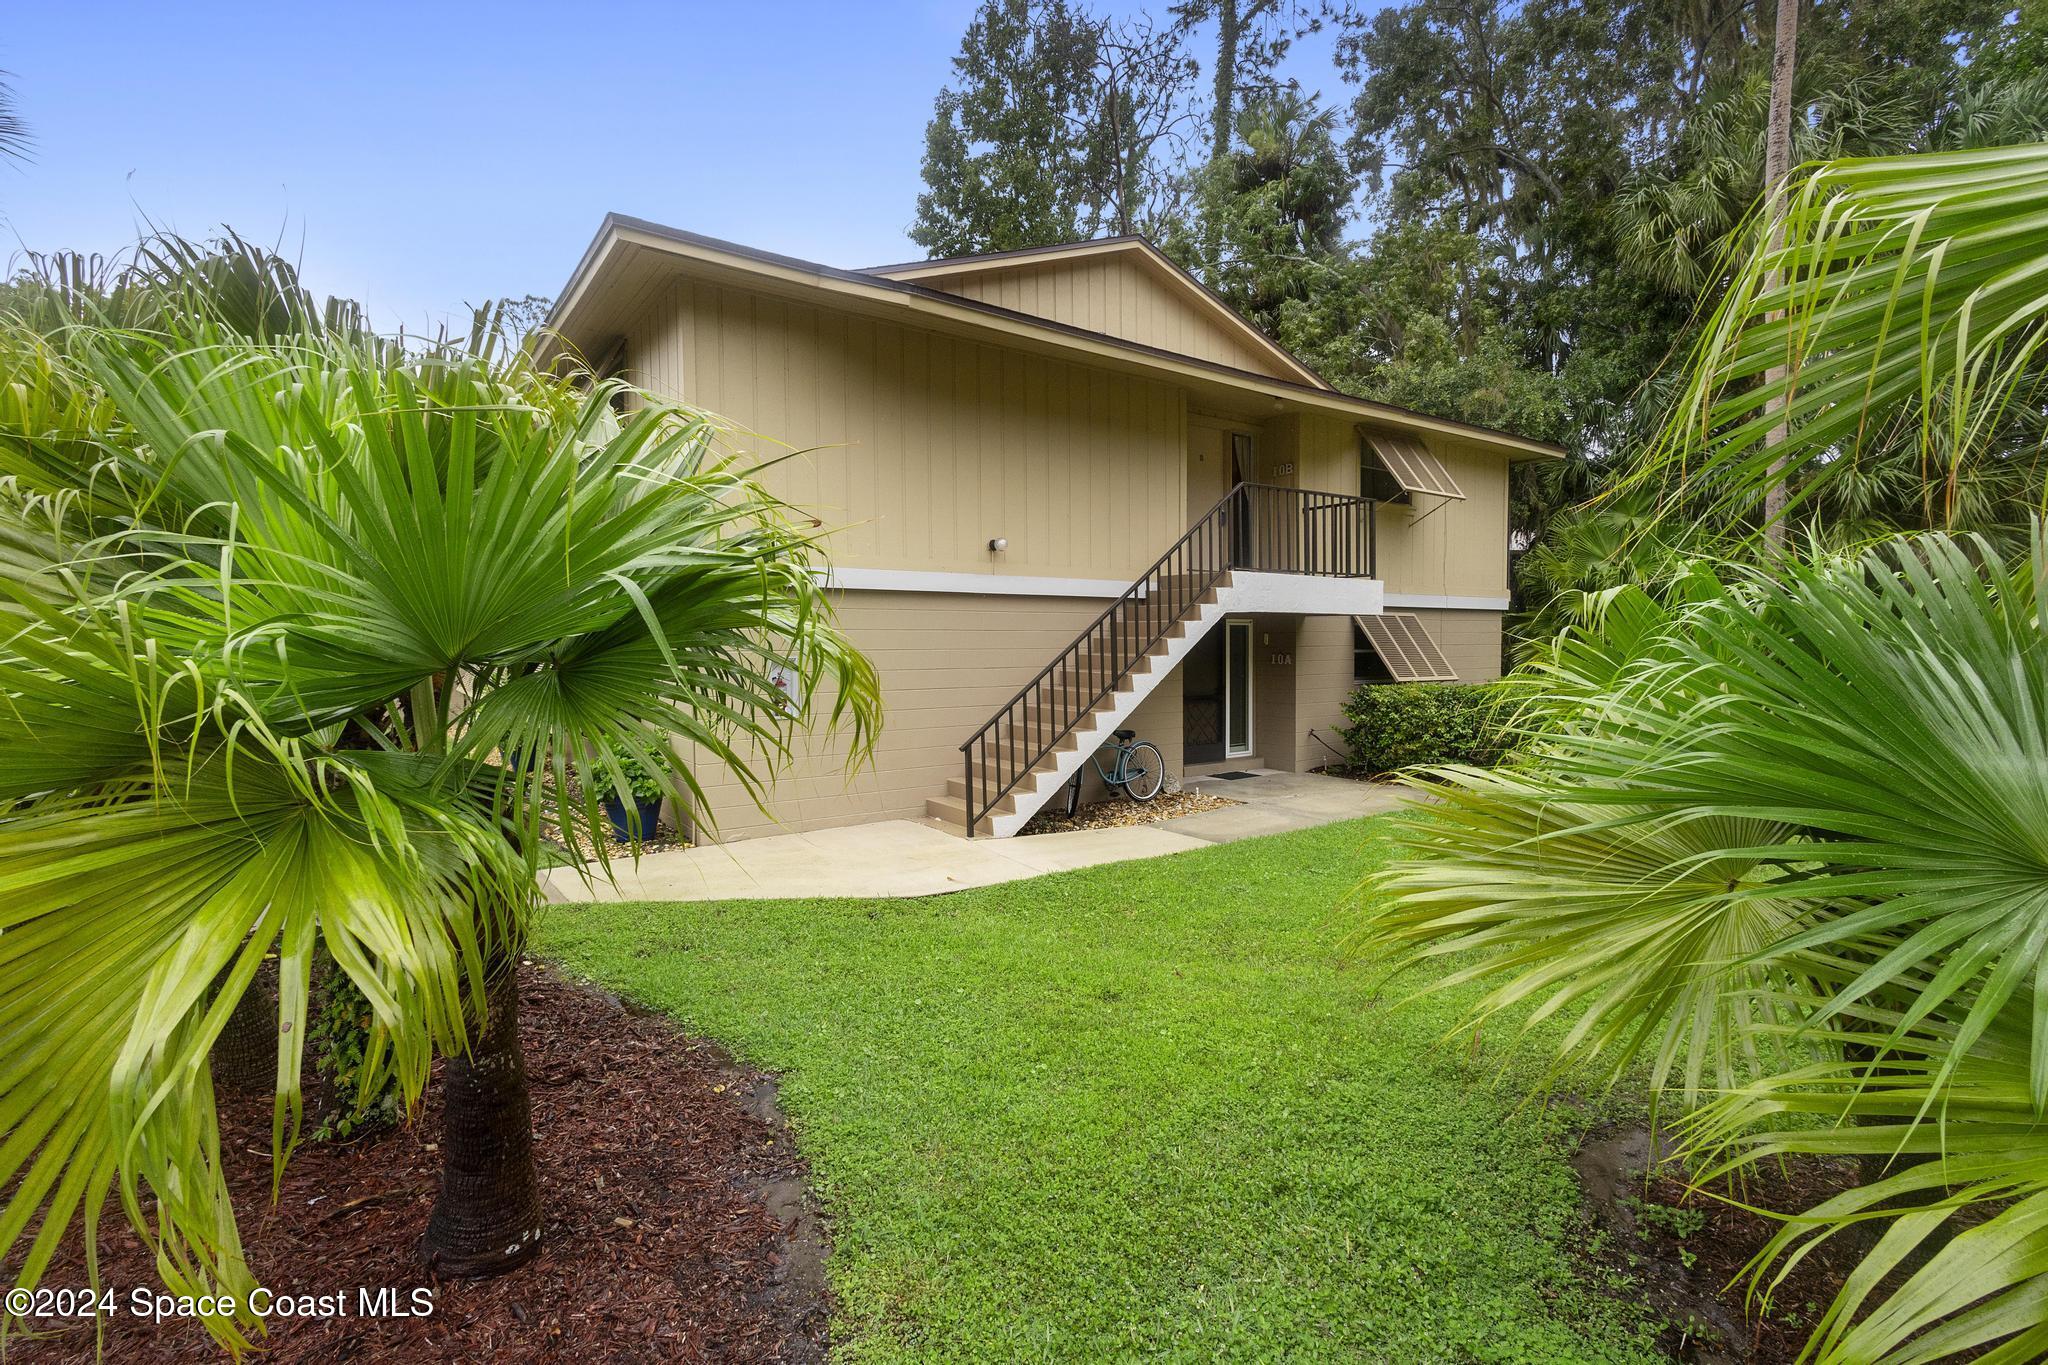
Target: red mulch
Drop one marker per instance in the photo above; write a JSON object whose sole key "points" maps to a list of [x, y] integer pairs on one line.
{"points": [[1721, 1250], [678, 1226], [1698, 1274]]}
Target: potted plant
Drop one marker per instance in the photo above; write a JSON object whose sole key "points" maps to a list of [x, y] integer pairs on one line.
{"points": [[648, 790]]}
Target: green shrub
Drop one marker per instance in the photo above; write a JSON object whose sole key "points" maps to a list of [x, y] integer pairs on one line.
{"points": [[1395, 725], [646, 785], [339, 1035]]}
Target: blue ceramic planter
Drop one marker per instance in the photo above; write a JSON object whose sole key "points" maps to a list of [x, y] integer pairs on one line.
{"points": [[649, 812]]}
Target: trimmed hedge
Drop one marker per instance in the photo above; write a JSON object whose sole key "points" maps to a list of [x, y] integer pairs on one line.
{"points": [[1396, 725]]}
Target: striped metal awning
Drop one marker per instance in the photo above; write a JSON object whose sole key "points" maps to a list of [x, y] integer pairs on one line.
{"points": [[1411, 464], [1406, 646]]}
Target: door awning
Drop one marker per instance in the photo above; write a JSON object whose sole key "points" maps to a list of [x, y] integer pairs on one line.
{"points": [[1405, 645], [1411, 464]]}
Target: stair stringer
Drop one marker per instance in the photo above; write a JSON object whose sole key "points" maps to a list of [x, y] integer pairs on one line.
{"points": [[1057, 768]]}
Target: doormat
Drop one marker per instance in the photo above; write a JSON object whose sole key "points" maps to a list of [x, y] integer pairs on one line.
{"points": [[1233, 777]]}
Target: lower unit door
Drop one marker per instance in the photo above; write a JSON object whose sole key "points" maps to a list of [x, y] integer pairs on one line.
{"points": [[1216, 696]]}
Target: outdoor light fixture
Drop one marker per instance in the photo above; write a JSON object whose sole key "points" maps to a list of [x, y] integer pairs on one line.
{"points": [[999, 544]]}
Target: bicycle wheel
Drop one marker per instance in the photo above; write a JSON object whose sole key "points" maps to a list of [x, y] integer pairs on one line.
{"points": [[1074, 793], [1144, 771]]}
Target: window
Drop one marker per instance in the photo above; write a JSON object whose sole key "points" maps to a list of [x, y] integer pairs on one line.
{"points": [[1401, 647], [1375, 480], [1401, 466], [1366, 664]]}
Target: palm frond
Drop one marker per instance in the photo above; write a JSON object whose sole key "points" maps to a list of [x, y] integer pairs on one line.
{"points": [[1985, 1156], [1648, 933], [1792, 837], [302, 634], [132, 919], [1913, 284]]}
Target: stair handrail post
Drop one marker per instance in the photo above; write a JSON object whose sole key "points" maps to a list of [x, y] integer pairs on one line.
{"points": [[1247, 528], [1104, 661]]}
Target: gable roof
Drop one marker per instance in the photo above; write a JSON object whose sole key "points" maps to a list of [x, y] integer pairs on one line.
{"points": [[631, 256], [951, 273]]}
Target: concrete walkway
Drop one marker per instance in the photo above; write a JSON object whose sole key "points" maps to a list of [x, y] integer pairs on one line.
{"points": [[920, 858], [1275, 802]]}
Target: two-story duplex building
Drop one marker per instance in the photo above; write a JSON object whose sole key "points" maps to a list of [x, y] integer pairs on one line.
{"points": [[1074, 493]]}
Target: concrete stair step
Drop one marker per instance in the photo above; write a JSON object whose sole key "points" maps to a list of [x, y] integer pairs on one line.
{"points": [[956, 788], [1049, 745], [953, 806]]}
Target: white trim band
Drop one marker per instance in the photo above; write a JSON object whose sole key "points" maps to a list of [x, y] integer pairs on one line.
{"points": [[1025, 585], [1298, 594], [999, 585], [1439, 602]]}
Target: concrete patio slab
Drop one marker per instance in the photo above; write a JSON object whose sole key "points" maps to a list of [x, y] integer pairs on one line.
{"points": [[887, 858], [920, 858], [1276, 802]]}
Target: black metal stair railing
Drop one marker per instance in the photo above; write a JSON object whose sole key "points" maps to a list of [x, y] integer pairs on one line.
{"points": [[1260, 528]]}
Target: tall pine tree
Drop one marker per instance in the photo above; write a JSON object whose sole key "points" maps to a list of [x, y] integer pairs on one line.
{"points": [[1056, 126], [1002, 168]]}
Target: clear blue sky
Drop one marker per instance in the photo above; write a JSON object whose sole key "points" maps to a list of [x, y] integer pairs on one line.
{"points": [[422, 156]]}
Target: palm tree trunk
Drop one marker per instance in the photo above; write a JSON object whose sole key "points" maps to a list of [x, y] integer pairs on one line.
{"points": [[1224, 90], [1224, 96], [244, 1057], [1777, 164], [487, 1219]]}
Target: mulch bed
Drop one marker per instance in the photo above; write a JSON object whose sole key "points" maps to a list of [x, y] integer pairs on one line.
{"points": [[664, 839], [678, 1224], [1687, 1253], [1117, 813]]}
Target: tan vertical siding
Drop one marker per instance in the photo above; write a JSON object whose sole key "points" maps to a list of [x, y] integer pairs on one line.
{"points": [[1437, 546], [924, 447], [1322, 657], [1322, 666], [1471, 640], [929, 444], [1276, 689], [946, 661], [1120, 297]]}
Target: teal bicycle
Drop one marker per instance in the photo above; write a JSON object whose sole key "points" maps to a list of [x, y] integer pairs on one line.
{"points": [[1139, 771]]}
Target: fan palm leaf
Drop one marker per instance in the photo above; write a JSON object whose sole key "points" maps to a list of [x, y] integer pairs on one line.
{"points": [[121, 915], [1638, 930], [1794, 840], [1964, 1288], [272, 606], [1914, 284]]}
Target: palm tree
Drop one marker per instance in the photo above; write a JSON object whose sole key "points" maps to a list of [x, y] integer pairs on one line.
{"points": [[14, 135], [1623, 541], [1777, 162], [1780, 839], [1787, 845], [301, 636], [1908, 294], [1677, 216]]}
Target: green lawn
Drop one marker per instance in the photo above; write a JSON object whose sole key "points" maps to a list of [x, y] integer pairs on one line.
{"points": [[1143, 1109]]}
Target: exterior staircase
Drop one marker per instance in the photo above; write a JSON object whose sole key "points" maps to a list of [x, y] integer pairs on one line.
{"points": [[1068, 751], [1033, 746]]}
